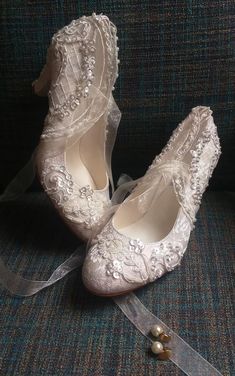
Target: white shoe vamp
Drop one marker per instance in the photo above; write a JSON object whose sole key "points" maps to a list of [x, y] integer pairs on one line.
{"points": [[80, 205], [123, 261], [86, 206]]}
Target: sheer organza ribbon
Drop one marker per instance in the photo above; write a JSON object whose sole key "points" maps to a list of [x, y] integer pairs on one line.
{"points": [[183, 355], [14, 282], [187, 359]]}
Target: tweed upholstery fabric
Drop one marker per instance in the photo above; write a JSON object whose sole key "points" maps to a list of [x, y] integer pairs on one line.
{"points": [[66, 331], [174, 54]]}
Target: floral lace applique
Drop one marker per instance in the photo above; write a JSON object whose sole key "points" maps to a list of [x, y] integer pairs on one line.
{"points": [[131, 259], [58, 183], [79, 205]]}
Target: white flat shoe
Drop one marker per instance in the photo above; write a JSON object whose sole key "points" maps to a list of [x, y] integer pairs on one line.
{"points": [[149, 233], [74, 157]]}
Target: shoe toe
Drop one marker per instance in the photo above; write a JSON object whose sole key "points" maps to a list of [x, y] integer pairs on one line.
{"points": [[93, 277], [97, 281], [111, 266]]}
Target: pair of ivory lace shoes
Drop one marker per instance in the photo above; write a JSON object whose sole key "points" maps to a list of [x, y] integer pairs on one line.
{"points": [[148, 233]]}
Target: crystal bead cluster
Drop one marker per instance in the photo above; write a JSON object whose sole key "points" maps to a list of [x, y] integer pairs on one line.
{"points": [[86, 192]]}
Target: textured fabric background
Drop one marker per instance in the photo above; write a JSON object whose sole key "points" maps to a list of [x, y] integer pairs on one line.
{"points": [[174, 55], [64, 330]]}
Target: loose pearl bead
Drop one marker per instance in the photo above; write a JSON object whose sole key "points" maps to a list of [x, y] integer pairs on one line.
{"points": [[157, 347], [156, 330]]}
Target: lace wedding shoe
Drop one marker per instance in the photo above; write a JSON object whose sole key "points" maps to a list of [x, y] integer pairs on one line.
{"points": [[149, 233], [74, 155]]}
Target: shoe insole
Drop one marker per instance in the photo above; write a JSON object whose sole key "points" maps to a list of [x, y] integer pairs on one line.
{"points": [[85, 158], [158, 220]]}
